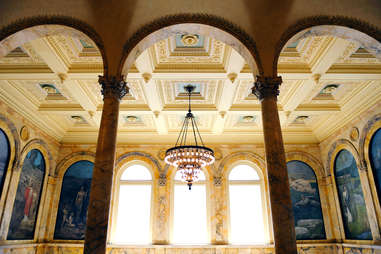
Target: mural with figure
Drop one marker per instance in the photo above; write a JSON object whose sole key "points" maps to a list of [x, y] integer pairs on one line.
{"points": [[25, 207], [351, 197], [375, 160], [4, 157], [74, 200], [308, 217]]}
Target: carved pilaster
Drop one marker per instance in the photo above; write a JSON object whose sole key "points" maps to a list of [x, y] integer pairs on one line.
{"points": [[112, 86], [162, 179], [266, 86], [217, 180]]}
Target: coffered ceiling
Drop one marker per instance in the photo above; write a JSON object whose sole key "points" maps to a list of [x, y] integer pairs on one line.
{"points": [[53, 82]]}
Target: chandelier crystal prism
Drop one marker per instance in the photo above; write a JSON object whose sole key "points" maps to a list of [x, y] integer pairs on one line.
{"points": [[189, 159]]}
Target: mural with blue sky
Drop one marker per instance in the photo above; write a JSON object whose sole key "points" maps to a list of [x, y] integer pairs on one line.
{"points": [[308, 217]]}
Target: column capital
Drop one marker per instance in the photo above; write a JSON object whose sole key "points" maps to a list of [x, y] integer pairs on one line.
{"points": [[112, 86], [266, 87]]}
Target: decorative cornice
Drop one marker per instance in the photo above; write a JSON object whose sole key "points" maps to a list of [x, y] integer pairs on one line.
{"points": [[112, 86], [310, 22], [199, 18], [266, 87], [79, 25]]}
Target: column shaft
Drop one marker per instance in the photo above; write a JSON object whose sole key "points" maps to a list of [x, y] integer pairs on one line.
{"points": [[100, 195], [266, 89]]}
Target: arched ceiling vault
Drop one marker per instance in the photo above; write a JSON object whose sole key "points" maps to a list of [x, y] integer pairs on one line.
{"points": [[264, 21]]}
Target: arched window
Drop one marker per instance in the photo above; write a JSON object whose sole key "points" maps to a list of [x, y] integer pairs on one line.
{"points": [[25, 207], [4, 157], [308, 217], [246, 206], [375, 159], [352, 203], [134, 206], [74, 200], [190, 212]]}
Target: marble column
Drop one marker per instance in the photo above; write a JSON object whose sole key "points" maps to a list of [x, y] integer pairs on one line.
{"points": [[113, 90], [267, 89]]}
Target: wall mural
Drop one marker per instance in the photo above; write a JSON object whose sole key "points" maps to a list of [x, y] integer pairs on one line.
{"points": [[74, 200], [375, 159], [4, 157], [352, 203], [309, 224], [25, 207]]}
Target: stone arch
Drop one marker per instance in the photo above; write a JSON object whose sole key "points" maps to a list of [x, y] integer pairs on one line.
{"points": [[14, 144], [344, 27], [22, 31], [11, 131], [309, 159], [70, 159], [366, 135], [336, 147], [242, 156], [139, 156], [318, 169], [217, 27]]}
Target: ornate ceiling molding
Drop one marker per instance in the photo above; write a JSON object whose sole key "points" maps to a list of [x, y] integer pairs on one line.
{"points": [[198, 18], [310, 22], [70, 22]]}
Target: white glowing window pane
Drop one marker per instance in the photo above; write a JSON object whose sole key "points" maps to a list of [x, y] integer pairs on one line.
{"points": [[133, 224], [200, 178], [246, 218], [189, 220], [243, 172], [136, 172]]}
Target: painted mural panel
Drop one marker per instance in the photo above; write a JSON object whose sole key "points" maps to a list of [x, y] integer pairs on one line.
{"points": [[25, 207], [4, 157], [351, 197], [375, 159], [74, 200], [308, 217]]}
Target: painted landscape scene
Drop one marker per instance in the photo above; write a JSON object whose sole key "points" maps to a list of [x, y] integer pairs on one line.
{"points": [[308, 217], [352, 203]]}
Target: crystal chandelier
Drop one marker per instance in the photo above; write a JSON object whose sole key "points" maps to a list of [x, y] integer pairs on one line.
{"points": [[187, 158]]}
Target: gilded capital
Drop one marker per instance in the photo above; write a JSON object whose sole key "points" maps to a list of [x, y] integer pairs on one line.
{"points": [[112, 86], [266, 87]]}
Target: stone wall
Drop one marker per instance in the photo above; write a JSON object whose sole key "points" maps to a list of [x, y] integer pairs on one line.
{"points": [[355, 136], [23, 136]]}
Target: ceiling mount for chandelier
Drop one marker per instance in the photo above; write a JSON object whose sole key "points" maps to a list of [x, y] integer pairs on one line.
{"points": [[189, 158]]}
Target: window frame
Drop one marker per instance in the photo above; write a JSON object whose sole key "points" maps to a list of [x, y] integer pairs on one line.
{"points": [[115, 200], [267, 224]]}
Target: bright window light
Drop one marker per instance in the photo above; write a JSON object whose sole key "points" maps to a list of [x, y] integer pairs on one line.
{"points": [[133, 220], [243, 172], [190, 222], [136, 172], [246, 216]]}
